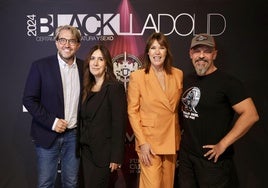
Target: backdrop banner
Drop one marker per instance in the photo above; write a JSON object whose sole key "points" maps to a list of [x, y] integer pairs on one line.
{"points": [[27, 31]]}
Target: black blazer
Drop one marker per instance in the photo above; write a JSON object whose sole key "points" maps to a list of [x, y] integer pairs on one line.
{"points": [[43, 98], [103, 124]]}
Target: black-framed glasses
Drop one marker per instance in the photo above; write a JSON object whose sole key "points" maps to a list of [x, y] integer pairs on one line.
{"points": [[63, 41]]}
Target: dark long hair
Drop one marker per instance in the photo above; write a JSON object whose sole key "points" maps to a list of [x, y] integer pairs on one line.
{"points": [[89, 79], [162, 40]]}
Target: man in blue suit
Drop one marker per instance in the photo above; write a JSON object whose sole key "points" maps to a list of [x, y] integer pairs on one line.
{"points": [[51, 96]]}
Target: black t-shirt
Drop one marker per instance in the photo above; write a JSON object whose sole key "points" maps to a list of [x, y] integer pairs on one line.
{"points": [[207, 114]]}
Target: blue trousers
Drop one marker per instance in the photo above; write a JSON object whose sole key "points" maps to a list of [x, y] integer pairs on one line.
{"points": [[63, 152]]}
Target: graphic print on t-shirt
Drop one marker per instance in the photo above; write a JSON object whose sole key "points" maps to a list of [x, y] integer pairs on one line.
{"points": [[190, 99]]}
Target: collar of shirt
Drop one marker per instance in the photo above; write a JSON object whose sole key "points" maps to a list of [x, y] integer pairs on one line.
{"points": [[63, 64]]}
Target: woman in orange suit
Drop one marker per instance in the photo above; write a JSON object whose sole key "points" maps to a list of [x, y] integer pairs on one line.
{"points": [[153, 97]]}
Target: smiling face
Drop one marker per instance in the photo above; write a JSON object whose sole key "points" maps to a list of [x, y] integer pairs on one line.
{"points": [[97, 64], [157, 55], [68, 49], [203, 59]]}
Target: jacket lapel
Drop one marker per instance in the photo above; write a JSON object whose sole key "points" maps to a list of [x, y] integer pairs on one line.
{"points": [[56, 73], [98, 100], [156, 89]]}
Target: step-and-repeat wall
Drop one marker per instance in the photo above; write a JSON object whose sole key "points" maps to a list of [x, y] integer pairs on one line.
{"points": [[27, 29]]}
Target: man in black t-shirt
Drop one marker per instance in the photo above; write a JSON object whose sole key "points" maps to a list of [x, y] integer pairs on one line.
{"points": [[209, 102]]}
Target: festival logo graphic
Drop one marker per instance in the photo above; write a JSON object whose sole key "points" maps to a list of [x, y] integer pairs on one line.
{"points": [[123, 65]]}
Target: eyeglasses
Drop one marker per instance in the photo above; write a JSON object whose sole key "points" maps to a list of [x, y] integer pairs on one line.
{"points": [[63, 41]]}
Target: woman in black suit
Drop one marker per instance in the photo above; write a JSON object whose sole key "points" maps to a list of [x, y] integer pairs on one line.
{"points": [[103, 119]]}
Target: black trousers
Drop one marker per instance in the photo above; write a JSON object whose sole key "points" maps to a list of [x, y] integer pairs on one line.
{"points": [[198, 172], [92, 176]]}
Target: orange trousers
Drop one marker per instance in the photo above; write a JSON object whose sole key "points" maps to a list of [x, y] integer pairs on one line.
{"points": [[160, 174]]}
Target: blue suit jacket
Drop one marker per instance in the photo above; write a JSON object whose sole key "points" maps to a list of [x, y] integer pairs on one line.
{"points": [[43, 98]]}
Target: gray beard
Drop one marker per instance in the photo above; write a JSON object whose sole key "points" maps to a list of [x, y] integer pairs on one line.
{"points": [[201, 72]]}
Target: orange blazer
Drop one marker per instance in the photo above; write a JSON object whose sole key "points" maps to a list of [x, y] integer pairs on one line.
{"points": [[153, 112]]}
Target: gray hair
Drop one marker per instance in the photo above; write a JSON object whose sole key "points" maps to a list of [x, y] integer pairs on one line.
{"points": [[73, 30]]}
